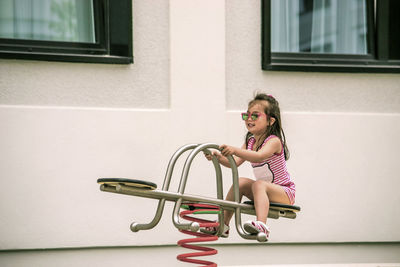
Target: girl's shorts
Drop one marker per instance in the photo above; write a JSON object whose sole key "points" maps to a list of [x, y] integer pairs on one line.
{"points": [[291, 192]]}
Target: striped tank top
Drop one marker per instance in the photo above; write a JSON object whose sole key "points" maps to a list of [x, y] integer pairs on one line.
{"points": [[273, 169]]}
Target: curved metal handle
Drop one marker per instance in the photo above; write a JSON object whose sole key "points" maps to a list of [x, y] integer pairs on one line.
{"points": [[185, 173], [182, 185], [235, 182], [167, 180]]}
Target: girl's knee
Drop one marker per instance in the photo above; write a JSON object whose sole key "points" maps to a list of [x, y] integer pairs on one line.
{"points": [[245, 186], [259, 184], [245, 181]]}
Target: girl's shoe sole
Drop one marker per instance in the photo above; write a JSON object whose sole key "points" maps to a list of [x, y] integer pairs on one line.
{"points": [[250, 228]]}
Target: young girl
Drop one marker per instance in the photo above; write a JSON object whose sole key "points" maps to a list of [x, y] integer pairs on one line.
{"points": [[265, 148]]}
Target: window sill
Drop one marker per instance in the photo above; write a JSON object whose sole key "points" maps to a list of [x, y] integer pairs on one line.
{"points": [[368, 66], [82, 58]]}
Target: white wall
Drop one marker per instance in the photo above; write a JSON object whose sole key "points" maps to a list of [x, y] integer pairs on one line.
{"points": [[65, 124], [282, 255], [144, 84], [342, 130], [297, 91]]}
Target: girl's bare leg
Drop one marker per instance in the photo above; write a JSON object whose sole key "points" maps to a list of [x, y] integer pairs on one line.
{"points": [[263, 193], [245, 189]]}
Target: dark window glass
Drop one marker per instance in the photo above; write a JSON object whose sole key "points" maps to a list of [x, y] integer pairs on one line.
{"points": [[331, 35], [49, 20], [67, 30], [394, 30], [329, 26]]}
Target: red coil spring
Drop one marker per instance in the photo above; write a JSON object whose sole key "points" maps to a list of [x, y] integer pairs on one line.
{"points": [[199, 237]]}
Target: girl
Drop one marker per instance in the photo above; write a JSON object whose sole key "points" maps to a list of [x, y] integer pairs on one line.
{"points": [[265, 148]]}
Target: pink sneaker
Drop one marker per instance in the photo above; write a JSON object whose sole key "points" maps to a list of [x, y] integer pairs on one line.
{"points": [[214, 230], [255, 227]]}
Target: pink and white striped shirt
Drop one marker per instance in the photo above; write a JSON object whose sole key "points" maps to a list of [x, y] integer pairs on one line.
{"points": [[273, 169]]}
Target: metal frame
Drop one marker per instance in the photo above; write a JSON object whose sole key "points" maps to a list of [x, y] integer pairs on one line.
{"points": [[178, 197], [376, 61], [113, 44]]}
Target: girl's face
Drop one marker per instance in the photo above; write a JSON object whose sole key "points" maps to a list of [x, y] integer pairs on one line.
{"points": [[258, 126]]}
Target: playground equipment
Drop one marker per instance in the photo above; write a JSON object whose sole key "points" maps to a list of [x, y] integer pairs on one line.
{"points": [[200, 237], [193, 203]]}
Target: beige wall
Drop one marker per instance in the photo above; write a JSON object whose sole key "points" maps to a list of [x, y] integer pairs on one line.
{"points": [[65, 127], [144, 84], [282, 255], [297, 91]]}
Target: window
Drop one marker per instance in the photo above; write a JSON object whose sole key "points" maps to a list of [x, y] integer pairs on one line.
{"points": [[95, 31], [331, 35]]}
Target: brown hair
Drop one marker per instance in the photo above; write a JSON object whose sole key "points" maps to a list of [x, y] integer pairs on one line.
{"points": [[272, 110]]}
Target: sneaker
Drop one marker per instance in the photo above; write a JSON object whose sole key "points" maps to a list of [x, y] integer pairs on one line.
{"points": [[255, 227], [214, 230]]}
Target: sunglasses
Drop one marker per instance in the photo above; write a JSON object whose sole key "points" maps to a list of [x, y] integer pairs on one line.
{"points": [[253, 116]]}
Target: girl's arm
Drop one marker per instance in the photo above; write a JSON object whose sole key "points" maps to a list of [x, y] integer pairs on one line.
{"points": [[224, 161], [271, 147]]}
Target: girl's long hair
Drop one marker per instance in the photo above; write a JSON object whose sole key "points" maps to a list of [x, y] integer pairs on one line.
{"points": [[272, 111]]}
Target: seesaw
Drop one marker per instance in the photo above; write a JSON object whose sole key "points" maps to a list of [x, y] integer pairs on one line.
{"points": [[194, 204]]}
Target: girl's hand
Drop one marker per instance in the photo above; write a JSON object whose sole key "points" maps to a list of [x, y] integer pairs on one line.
{"points": [[227, 150], [209, 156]]}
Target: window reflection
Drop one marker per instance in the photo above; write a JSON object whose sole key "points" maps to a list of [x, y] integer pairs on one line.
{"points": [[319, 26], [50, 20]]}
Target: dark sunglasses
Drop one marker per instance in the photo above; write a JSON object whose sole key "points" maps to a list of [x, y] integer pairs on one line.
{"points": [[253, 116]]}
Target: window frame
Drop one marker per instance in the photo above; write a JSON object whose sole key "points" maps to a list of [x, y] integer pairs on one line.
{"points": [[376, 62], [113, 30]]}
